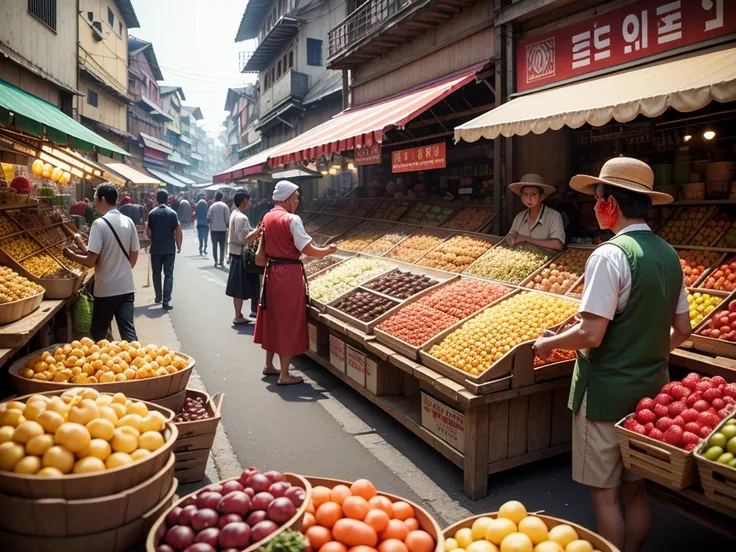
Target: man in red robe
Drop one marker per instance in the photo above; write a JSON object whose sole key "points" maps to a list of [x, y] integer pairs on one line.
{"points": [[281, 324]]}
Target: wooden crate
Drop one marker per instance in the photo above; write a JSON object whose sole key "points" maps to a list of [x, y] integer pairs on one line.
{"points": [[718, 481], [381, 378], [191, 466], [319, 339], [708, 344], [195, 428], [660, 462], [355, 365], [444, 421], [337, 352]]}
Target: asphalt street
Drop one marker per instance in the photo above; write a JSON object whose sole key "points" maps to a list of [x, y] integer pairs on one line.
{"points": [[324, 428]]}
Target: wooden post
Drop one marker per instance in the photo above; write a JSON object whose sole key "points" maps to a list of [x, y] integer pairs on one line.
{"points": [[475, 469]]}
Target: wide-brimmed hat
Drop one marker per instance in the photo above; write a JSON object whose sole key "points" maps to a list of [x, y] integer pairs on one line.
{"points": [[622, 172], [532, 179]]}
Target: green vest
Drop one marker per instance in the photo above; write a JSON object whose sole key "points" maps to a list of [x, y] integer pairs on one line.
{"points": [[631, 361]]}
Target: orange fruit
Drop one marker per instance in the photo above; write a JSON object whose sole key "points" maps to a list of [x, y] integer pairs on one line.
{"points": [[412, 524], [419, 541], [378, 519], [318, 536], [340, 493], [328, 513], [382, 503], [320, 495], [396, 529], [352, 532], [402, 510], [392, 545], [333, 546], [356, 507], [364, 488], [362, 548], [309, 521]]}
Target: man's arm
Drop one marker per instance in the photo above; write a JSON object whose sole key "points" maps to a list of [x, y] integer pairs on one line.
{"points": [[587, 334], [681, 330], [89, 260], [149, 233], [555, 244], [133, 258], [318, 252], [178, 236]]}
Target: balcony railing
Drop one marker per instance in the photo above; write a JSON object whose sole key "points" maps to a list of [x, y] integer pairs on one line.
{"points": [[243, 59], [370, 16]]}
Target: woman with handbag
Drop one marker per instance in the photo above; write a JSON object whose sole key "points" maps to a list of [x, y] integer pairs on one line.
{"points": [[243, 281], [281, 326]]}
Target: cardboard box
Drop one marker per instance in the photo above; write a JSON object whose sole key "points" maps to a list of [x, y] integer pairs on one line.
{"points": [[355, 365], [446, 423], [381, 378], [337, 353]]}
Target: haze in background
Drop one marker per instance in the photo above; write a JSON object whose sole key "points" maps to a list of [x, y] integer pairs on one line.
{"points": [[194, 45]]}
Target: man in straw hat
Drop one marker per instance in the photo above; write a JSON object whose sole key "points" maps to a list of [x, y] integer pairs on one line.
{"points": [[634, 311], [538, 224], [281, 323]]}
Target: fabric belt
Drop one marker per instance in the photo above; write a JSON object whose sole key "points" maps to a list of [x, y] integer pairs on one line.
{"points": [[275, 261]]}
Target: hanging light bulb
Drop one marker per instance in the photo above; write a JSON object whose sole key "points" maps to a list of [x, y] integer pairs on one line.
{"points": [[324, 172], [332, 171], [687, 136], [351, 166], [709, 134]]}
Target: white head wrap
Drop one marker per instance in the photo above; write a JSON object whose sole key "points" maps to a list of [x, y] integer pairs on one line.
{"points": [[283, 190]]}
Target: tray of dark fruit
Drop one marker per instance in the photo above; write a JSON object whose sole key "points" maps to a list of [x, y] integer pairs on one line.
{"points": [[401, 285], [360, 308]]}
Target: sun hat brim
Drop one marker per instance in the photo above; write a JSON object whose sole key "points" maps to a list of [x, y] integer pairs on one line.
{"points": [[516, 187], [586, 184]]}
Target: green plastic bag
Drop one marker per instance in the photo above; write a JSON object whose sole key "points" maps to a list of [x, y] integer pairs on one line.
{"points": [[83, 306]]}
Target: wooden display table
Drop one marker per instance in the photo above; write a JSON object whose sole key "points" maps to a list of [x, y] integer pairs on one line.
{"points": [[18, 333], [519, 418]]}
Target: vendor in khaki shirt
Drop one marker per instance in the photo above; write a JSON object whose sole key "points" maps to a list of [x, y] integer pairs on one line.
{"points": [[537, 224], [634, 311]]}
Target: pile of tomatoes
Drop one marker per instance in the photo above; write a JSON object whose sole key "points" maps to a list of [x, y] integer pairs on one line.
{"points": [[464, 297], [416, 323], [555, 355], [355, 518]]}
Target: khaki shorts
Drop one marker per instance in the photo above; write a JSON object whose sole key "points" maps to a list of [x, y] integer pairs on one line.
{"points": [[596, 456]]}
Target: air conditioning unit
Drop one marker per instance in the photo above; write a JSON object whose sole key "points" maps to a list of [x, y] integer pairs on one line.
{"points": [[97, 30]]}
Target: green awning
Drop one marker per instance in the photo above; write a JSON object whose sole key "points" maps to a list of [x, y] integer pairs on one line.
{"points": [[33, 115]]}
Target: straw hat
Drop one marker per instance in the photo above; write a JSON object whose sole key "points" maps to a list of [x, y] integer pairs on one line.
{"points": [[622, 172], [532, 179]]}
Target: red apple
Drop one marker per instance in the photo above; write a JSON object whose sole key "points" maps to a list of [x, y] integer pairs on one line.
{"points": [[701, 406], [705, 431], [645, 416], [661, 410], [692, 398], [663, 398], [673, 435], [646, 402], [663, 424]]}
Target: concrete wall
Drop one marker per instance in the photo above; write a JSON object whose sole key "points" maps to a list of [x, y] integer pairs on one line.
{"points": [[25, 80], [108, 111], [54, 53]]}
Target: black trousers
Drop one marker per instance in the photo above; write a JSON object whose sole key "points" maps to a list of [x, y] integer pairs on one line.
{"points": [[218, 239], [119, 306]]}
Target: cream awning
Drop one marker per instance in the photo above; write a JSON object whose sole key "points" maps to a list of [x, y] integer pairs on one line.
{"points": [[685, 83], [134, 176]]}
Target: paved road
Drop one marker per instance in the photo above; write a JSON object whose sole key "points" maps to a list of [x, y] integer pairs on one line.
{"points": [[327, 429]]}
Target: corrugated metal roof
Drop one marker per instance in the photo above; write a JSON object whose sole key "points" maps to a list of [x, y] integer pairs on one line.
{"points": [[280, 34], [329, 82], [252, 18]]}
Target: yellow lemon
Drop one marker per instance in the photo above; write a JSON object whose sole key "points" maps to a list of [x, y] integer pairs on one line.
{"points": [[534, 528], [130, 431], [28, 465], [100, 428], [479, 527], [131, 420], [123, 442], [153, 422], [137, 407], [563, 534], [579, 546], [40, 444], [118, 459], [6, 433], [99, 448], [10, 454], [464, 537], [50, 420], [481, 545], [548, 546], [140, 454], [152, 440], [27, 431], [49, 472], [74, 437], [450, 544], [516, 542], [513, 510], [59, 458], [499, 528], [89, 464], [12, 417]]}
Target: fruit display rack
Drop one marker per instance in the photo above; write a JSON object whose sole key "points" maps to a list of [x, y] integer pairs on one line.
{"points": [[718, 477]]}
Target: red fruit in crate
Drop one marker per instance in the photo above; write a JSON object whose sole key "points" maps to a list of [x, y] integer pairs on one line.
{"points": [[21, 184], [718, 404], [692, 398], [645, 416], [663, 424], [638, 428], [690, 447], [712, 393], [679, 391], [729, 390], [663, 398], [691, 380], [701, 406], [690, 437], [724, 412], [732, 306], [629, 423], [718, 381], [677, 420], [648, 427], [661, 410], [703, 385], [729, 400], [656, 434], [647, 403], [690, 415], [692, 427], [709, 419], [667, 387], [705, 431], [676, 408], [673, 435]]}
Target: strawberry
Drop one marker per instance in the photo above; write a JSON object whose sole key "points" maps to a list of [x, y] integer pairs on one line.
{"points": [[693, 427], [656, 434], [667, 387], [703, 385], [673, 435], [729, 390], [709, 419], [718, 404], [691, 380], [679, 391], [690, 447], [663, 398], [629, 423], [729, 400], [645, 416], [638, 428], [661, 410], [663, 424], [676, 408], [677, 420], [690, 415], [648, 427], [712, 393], [701, 406], [692, 398], [705, 431], [689, 437], [647, 403], [724, 412], [717, 381]]}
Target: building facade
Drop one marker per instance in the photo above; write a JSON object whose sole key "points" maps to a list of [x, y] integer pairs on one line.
{"points": [[241, 123]]}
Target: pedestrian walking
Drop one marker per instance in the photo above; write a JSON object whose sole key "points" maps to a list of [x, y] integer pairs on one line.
{"points": [[131, 210], [634, 311], [218, 217], [164, 231], [281, 325], [200, 213], [241, 284], [184, 212], [113, 252]]}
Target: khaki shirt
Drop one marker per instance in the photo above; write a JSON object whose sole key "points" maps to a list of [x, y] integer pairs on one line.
{"points": [[548, 225]]}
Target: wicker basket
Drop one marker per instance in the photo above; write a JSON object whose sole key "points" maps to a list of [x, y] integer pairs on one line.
{"points": [[660, 462], [15, 310], [295, 523], [598, 542], [144, 389]]}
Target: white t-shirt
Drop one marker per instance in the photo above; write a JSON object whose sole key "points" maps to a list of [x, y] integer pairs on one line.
{"points": [[219, 216], [239, 228], [608, 280], [113, 273], [301, 238]]}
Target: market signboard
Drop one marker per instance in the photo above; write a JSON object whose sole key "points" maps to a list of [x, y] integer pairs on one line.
{"points": [[337, 353], [368, 155], [423, 158], [446, 423], [355, 365], [640, 30]]}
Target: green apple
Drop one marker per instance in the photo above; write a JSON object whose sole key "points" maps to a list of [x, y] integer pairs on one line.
{"points": [[718, 439], [713, 453], [732, 463], [725, 458], [729, 431], [731, 446]]}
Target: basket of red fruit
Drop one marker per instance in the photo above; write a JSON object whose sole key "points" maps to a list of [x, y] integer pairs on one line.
{"points": [[717, 333], [657, 441]]}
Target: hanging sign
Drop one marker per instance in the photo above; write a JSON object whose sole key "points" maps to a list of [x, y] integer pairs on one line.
{"points": [[368, 155], [422, 158], [636, 31]]}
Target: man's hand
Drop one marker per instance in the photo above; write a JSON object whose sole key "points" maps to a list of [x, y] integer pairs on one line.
{"points": [[513, 239], [67, 253], [332, 249], [541, 347]]}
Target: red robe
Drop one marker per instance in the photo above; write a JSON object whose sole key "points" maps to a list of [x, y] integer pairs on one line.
{"points": [[282, 327]]}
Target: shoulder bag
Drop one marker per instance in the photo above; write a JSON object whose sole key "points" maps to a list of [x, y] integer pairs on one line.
{"points": [[117, 239], [261, 258], [248, 256]]}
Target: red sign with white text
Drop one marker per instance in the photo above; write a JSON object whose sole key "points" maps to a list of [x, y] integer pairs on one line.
{"points": [[639, 30], [368, 155], [422, 158]]}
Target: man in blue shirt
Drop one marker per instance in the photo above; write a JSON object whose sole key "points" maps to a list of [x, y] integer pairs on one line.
{"points": [[165, 234], [203, 227]]}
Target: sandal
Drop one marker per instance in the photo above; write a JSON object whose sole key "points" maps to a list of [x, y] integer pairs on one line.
{"points": [[271, 372], [291, 380], [240, 320]]}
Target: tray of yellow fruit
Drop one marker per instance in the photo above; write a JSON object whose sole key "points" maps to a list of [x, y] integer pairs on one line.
{"points": [[513, 528], [146, 372], [19, 296], [80, 444]]}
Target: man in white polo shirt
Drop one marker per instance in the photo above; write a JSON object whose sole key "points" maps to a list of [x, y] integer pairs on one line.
{"points": [[113, 252]]}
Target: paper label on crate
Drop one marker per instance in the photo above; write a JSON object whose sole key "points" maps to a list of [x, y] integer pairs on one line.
{"points": [[371, 375], [312, 330], [445, 422], [355, 365], [337, 353]]}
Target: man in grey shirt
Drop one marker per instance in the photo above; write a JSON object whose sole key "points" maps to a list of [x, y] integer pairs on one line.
{"points": [[218, 217], [164, 231]]}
